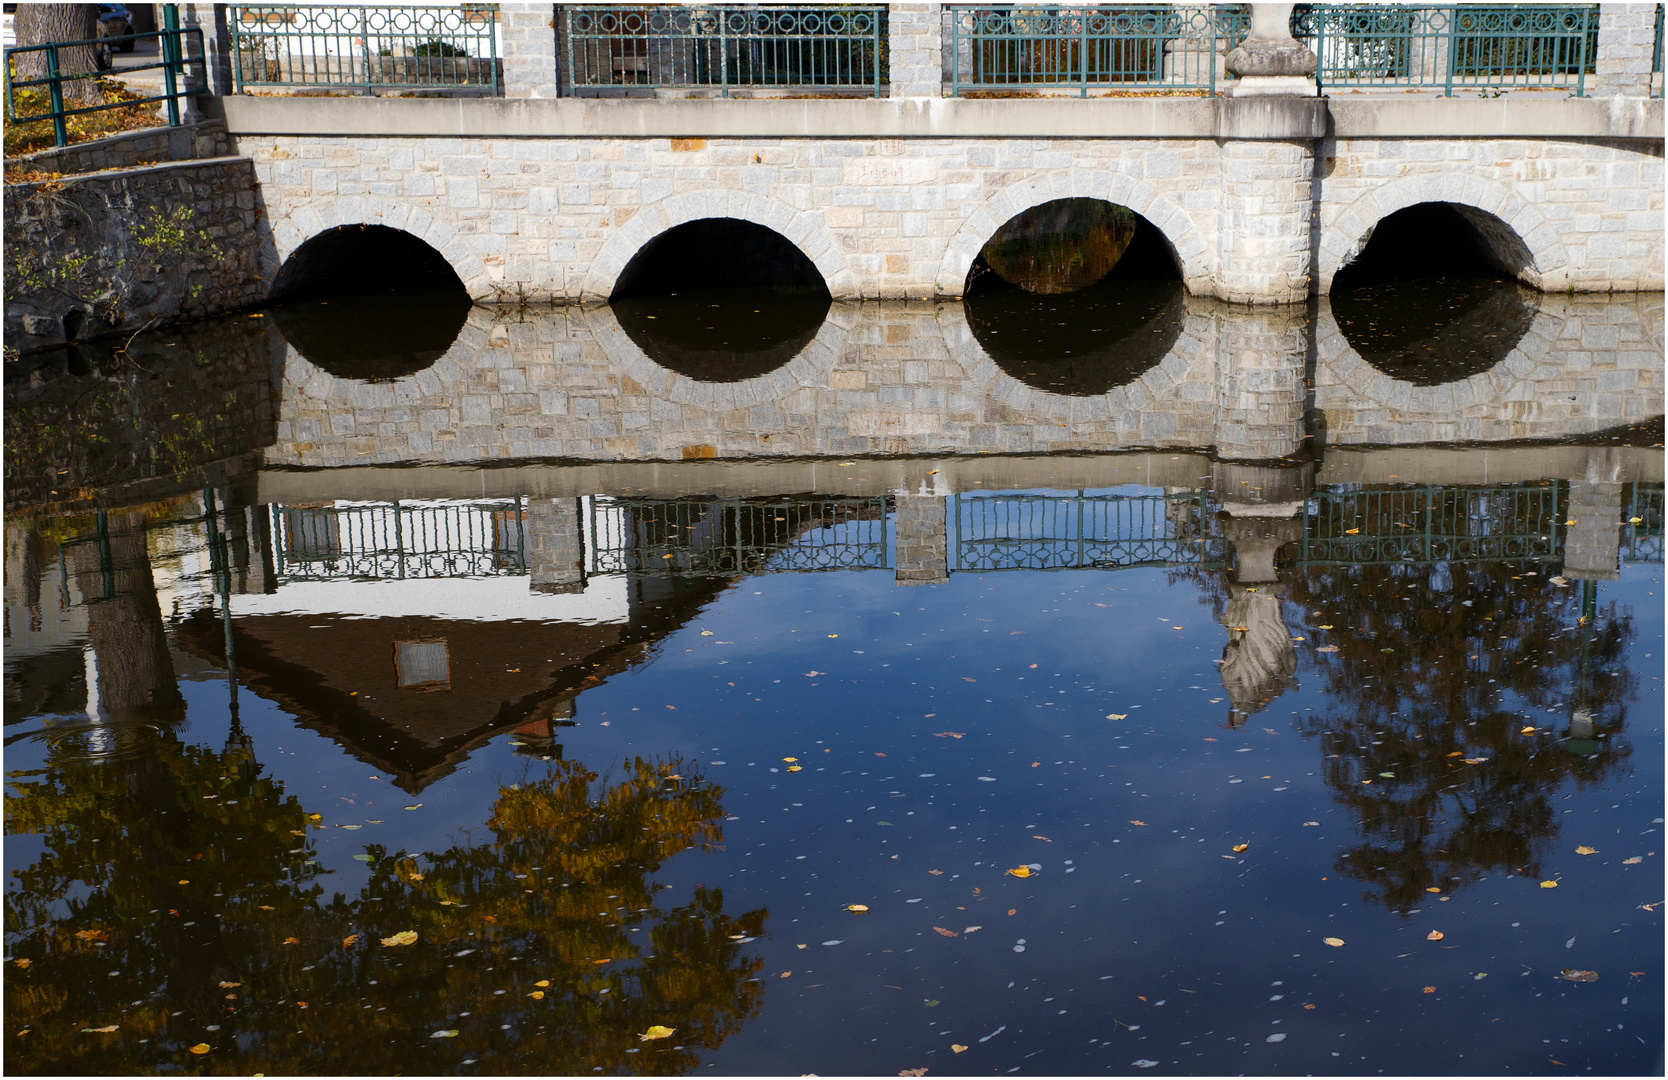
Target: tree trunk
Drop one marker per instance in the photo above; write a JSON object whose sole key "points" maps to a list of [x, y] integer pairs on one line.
{"points": [[38, 24]]}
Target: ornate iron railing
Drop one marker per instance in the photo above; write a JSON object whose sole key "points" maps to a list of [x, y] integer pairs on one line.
{"points": [[1658, 83], [178, 63], [723, 537], [1459, 47], [1348, 526], [366, 48], [1053, 48], [399, 540], [620, 48], [1010, 531]]}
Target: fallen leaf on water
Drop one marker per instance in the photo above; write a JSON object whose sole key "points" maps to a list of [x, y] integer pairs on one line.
{"points": [[1327, 648], [542, 983], [1432, 888], [1351, 532], [1475, 760], [224, 985], [1549, 884], [795, 768], [263, 907], [1039, 836], [23, 962], [1241, 847], [1306, 824], [936, 873], [292, 941], [706, 633], [968, 678], [1013, 911], [656, 1031], [1585, 850], [790, 760], [108, 1030], [1019, 871], [946, 933], [1325, 626], [362, 857], [93, 935], [1528, 730], [1117, 716], [350, 941], [1632, 860], [949, 734], [1577, 975], [201, 1048], [404, 937], [1434, 935], [956, 1048], [448, 1033], [1335, 942], [1132, 821], [537, 995], [414, 806], [913, 1072], [857, 907], [1429, 990]]}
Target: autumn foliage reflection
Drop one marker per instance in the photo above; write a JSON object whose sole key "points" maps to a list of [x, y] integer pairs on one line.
{"points": [[1462, 698], [546, 948]]}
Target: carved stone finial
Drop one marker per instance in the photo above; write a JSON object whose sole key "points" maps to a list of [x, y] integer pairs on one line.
{"points": [[1270, 60]]}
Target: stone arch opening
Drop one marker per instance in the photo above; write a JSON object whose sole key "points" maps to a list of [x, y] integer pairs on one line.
{"points": [[1434, 296], [369, 302], [720, 300], [1076, 296]]}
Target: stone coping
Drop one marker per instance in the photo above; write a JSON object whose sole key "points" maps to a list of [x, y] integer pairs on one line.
{"points": [[1105, 118]]}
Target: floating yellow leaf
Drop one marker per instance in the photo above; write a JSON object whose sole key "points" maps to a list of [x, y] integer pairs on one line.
{"points": [[349, 941], [1635, 520], [1632, 860], [1335, 942], [449, 1033], [1117, 716], [1324, 626], [1549, 884], [542, 983], [224, 985], [1429, 990], [857, 907], [537, 995], [1528, 730], [706, 633], [956, 1048], [404, 937], [1432, 888], [790, 759], [1351, 532], [1434, 935], [795, 768], [656, 1031], [24, 962], [1241, 847], [292, 941], [108, 1030], [1019, 871], [201, 1048], [1585, 850]]}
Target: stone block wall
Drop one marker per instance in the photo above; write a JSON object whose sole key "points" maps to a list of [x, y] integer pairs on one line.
{"points": [[916, 36], [1626, 41], [528, 40], [161, 245], [152, 146]]}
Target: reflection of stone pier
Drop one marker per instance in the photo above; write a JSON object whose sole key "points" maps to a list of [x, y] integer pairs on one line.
{"points": [[921, 555], [555, 546], [1592, 537], [1260, 395]]}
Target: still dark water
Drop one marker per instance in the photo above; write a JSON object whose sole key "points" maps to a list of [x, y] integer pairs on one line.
{"points": [[972, 717]]}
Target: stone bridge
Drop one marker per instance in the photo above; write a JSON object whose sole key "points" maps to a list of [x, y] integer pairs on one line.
{"points": [[1259, 199]]}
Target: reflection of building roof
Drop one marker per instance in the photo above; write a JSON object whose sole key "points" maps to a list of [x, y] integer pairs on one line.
{"points": [[339, 675]]}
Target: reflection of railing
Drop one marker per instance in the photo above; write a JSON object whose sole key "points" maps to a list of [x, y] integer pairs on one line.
{"points": [[365, 48], [725, 48], [1126, 47], [399, 540], [1642, 524], [1055, 532], [707, 537], [1432, 524], [1466, 47]]}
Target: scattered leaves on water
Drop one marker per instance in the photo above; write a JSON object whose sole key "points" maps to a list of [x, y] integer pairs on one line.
{"points": [[404, 937], [656, 1031], [1335, 942]]}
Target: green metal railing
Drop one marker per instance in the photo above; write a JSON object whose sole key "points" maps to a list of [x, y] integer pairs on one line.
{"points": [[617, 48], [366, 48], [1641, 540], [1658, 83], [1087, 530], [1461, 47], [1355, 527], [725, 537], [176, 64], [1053, 48], [399, 540]]}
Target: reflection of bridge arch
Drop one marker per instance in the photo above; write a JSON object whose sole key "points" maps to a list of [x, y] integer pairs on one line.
{"points": [[1186, 245], [1385, 409]]}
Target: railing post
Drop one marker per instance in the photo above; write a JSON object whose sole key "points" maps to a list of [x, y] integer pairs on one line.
{"points": [[1627, 40], [60, 130], [170, 41], [529, 50], [915, 34]]}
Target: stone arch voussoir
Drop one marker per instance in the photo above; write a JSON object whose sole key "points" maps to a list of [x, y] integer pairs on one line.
{"points": [[803, 229], [1347, 228], [1115, 187]]}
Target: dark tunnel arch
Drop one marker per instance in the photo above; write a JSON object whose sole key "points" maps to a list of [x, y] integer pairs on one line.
{"points": [[369, 302], [721, 300], [1076, 296], [1436, 295]]}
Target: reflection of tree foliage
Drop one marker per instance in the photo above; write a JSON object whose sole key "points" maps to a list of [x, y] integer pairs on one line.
{"points": [[1422, 682], [560, 895]]}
